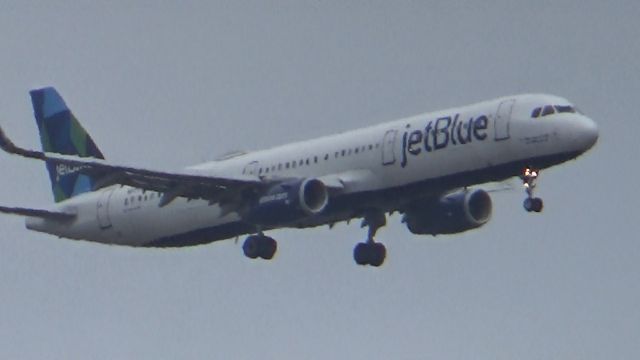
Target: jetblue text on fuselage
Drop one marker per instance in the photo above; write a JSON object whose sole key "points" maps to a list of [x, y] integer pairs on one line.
{"points": [[442, 132]]}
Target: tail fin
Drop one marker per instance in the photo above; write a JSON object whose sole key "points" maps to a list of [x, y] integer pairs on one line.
{"points": [[61, 133]]}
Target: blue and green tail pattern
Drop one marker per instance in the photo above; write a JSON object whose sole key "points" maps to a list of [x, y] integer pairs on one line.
{"points": [[61, 133]]}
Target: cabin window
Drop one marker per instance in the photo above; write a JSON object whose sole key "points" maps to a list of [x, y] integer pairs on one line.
{"points": [[301, 163], [315, 159], [326, 157], [280, 166], [370, 147], [126, 202], [307, 162], [344, 152], [357, 150], [287, 165]]}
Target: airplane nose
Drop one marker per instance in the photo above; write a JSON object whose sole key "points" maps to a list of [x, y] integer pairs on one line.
{"points": [[589, 133]]}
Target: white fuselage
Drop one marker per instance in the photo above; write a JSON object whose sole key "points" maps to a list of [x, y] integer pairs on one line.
{"points": [[471, 144]]}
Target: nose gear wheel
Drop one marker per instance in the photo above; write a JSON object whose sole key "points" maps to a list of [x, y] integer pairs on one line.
{"points": [[531, 203]]}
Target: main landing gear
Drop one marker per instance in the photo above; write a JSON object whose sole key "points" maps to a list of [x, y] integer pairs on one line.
{"points": [[531, 203], [259, 246], [371, 252]]}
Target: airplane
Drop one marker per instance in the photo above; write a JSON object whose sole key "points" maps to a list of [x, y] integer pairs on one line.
{"points": [[423, 167]]}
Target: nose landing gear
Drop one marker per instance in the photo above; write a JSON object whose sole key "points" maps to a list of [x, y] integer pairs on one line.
{"points": [[531, 203], [371, 252]]}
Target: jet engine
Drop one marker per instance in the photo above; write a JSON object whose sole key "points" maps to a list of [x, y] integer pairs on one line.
{"points": [[289, 202], [450, 214]]}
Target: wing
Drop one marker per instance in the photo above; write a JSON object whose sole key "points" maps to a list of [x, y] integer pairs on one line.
{"points": [[187, 183], [45, 214]]}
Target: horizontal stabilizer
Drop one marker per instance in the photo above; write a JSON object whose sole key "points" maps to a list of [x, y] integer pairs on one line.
{"points": [[45, 214]]}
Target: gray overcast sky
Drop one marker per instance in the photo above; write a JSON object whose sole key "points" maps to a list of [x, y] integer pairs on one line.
{"points": [[171, 84]]}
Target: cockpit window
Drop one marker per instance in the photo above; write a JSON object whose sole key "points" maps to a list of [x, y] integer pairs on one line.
{"points": [[552, 109], [565, 109], [547, 110], [536, 112]]}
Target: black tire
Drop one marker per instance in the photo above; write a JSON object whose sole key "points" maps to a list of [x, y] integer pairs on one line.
{"points": [[251, 247], [378, 254], [361, 254], [268, 247], [537, 205], [528, 204]]}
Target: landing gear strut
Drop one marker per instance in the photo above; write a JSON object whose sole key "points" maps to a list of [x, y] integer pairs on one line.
{"points": [[259, 246], [531, 203], [371, 252]]}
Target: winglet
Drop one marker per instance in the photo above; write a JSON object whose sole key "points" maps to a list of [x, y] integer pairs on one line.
{"points": [[4, 141], [7, 145]]}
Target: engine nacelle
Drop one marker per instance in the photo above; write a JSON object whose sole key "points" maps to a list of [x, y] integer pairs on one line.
{"points": [[288, 202], [454, 213]]}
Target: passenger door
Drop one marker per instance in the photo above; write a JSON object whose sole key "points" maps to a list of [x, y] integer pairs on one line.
{"points": [[251, 168], [104, 219], [503, 118], [388, 147]]}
